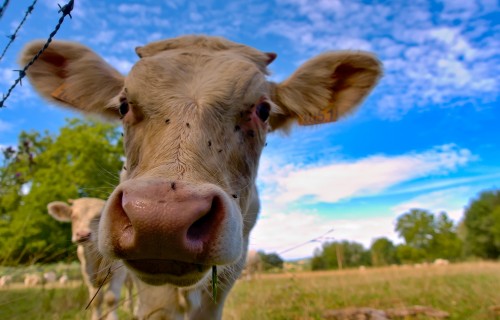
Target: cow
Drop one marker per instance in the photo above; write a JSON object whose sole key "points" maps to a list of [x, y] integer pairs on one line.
{"points": [[195, 111], [5, 280], [63, 279], [83, 214], [32, 280], [253, 265], [49, 277]]}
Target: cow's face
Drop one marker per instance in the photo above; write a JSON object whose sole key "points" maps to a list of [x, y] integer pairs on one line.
{"points": [[195, 112], [80, 213]]}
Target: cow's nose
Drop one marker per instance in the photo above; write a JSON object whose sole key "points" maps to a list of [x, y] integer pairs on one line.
{"points": [[165, 220], [82, 236]]}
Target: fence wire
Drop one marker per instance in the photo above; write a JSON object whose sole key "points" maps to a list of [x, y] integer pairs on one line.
{"points": [[65, 11], [12, 37], [3, 8]]}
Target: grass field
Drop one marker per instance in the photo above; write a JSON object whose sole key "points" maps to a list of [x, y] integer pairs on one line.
{"points": [[465, 291]]}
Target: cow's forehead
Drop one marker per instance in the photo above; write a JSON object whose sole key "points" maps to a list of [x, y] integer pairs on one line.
{"points": [[204, 45], [205, 78], [87, 208]]}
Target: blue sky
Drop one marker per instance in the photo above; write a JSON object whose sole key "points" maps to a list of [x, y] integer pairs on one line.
{"points": [[428, 136]]}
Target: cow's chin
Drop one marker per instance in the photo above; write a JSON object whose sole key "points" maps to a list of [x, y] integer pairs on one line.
{"points": [[158, 272]]}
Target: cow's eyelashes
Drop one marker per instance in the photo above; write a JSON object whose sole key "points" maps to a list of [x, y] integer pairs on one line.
{"points": [[263, 109], [123, 108]]}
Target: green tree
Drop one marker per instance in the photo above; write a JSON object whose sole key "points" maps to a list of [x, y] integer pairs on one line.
{"points": [[482, 223], [409, 254], [84, 160], [271, 260], [416, 228], [446, 243], [427, 237], [337, 255], [383, 252]]}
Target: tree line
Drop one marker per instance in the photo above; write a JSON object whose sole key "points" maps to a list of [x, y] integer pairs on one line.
{"points": [[426, 237]]}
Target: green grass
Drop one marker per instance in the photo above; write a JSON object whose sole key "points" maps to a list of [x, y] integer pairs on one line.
{"points": [[466, 291]]}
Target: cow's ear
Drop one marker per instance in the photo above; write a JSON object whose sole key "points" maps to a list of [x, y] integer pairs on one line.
{"points": [[60, 211], [325, 88], [73, 75]]}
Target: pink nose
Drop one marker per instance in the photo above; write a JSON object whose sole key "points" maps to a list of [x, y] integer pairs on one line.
{"points": [[165, 220]]}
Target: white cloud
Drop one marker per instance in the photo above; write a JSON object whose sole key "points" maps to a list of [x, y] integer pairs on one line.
{"points": [[430, 58], [451, 201], [279, 232], [141, 9], [103, 37], [348, 179], [122, 65]]}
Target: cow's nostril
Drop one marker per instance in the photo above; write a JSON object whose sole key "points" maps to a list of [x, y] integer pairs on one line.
{"points": [[204, 227], [121, 220]]}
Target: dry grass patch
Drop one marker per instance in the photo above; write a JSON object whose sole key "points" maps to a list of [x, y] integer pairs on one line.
{"points": [[465, 291]]}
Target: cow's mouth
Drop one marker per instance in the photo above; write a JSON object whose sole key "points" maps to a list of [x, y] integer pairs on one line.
{"points": [[157, 272], [82, 240]]}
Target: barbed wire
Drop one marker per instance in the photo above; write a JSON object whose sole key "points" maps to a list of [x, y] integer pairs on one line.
{"points": [[317, 239], [3, 8], [66, 11], [12, 37]]}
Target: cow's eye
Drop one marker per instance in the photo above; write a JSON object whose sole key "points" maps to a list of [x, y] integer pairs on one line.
{"points": [[263, 110], [123, 109]]}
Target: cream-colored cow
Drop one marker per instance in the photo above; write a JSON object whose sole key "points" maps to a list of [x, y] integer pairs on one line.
{"points": [[196, 111], [5, 280], [253, 265], [32, 280], [83, 214]]}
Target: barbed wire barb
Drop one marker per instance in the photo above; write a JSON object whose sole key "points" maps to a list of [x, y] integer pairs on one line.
{"points": [[65, 10], [14, 35]]}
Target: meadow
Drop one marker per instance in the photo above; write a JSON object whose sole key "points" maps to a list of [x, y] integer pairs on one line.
{"points": [[464, 290]]}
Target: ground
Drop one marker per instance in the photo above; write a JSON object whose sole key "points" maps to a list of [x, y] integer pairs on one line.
{"points": [[465, 291]]}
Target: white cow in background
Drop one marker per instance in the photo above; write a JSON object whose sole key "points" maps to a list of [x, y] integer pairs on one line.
{"points": [[253, 265], [5, 280], [49, 277], [83, 214], [31, 280]]}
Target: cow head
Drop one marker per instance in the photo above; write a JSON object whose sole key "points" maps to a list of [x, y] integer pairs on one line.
{"points": [[81, 213], [195, 111]]}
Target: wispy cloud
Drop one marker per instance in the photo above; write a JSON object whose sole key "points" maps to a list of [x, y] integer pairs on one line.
{"points": [[451, 201], [122, 65], [367, 176], [432, 56]]}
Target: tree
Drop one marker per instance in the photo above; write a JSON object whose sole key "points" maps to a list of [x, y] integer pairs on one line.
{"points": [[271, 260], [338, 255], [446, 243], [416, 228], [383, 252], [482, 224], [427, 237], [84, 160]]}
